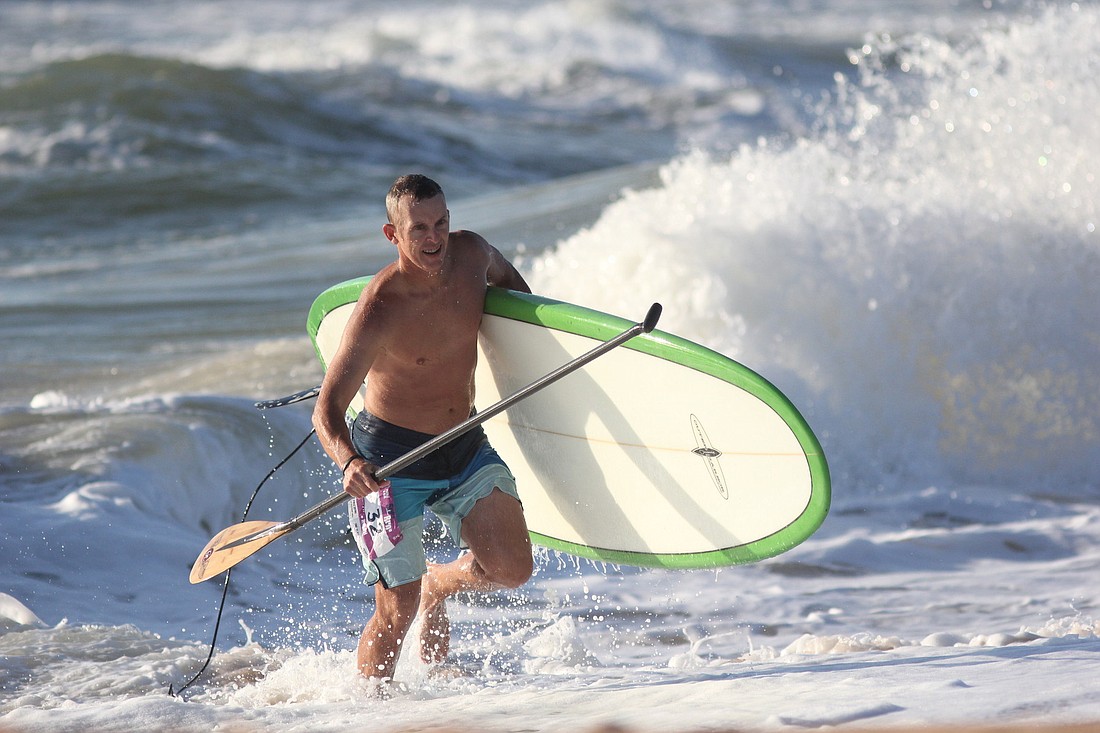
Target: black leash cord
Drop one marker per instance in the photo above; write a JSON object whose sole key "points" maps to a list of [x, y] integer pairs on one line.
{"points": [[229, 573]]}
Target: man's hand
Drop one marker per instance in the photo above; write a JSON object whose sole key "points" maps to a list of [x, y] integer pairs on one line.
{"points": [[359, 478]]}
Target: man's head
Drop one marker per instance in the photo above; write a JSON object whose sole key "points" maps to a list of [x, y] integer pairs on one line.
{"points": [[417, 187], [419, 223]]}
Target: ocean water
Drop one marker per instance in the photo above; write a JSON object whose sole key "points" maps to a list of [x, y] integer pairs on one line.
{"points": [[887, 209]]}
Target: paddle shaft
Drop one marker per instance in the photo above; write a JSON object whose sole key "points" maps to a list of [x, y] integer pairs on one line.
{"points": [[443, 438]]}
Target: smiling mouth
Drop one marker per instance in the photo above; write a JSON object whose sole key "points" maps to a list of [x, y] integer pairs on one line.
{"points": [[433, 251]]}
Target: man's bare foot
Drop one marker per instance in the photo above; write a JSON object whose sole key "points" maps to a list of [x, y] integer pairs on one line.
{"points": [[451, 671], [435, 626], [382, 688]]}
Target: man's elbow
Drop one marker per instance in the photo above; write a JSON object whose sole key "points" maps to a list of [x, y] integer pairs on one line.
{"points": [[516, 282], [322, 417]]}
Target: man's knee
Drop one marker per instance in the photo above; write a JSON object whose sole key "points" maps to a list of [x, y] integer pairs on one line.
{"points": [[513, 571], [522, 573], [497, 535]]}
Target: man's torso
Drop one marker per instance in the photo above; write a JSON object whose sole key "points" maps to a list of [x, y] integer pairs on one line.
{"points": [[422, 374]]}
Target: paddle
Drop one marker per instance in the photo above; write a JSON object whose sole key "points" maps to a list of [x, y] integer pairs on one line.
{"points": [[234, 544]]}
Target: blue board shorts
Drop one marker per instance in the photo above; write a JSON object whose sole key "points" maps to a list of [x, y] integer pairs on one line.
{"points": [[448, 481]]}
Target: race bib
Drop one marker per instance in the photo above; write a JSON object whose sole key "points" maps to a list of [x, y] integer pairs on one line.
{"points": [[374, 523]]}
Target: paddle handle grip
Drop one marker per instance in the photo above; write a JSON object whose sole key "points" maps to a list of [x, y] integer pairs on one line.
{"points": [[305, 394], [652, 317]]}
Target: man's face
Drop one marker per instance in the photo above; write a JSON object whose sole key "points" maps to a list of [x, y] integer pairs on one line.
{"points": [[420, 230]]}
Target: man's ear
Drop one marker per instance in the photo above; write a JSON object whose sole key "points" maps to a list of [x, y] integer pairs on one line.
{"points": [[390, 231]]}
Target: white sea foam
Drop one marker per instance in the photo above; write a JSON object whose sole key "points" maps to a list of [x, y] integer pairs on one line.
{"points": [[943, 222]]}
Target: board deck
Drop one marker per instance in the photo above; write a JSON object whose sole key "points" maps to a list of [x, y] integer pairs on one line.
{"points": [[661, 453]]}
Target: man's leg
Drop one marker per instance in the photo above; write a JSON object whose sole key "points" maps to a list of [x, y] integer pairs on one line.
{"points": [[380, 642], [499, 557]]}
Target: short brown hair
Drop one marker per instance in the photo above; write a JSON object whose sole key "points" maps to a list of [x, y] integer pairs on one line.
{"points": [[418, 186]]}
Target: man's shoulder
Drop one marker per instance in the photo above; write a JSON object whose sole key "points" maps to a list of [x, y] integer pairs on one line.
{"points": [[384, 282], [466, 239], [472, 251], [384, 291]]}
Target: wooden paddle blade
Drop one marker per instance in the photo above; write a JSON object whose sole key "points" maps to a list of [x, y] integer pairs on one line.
{"points": [[216, 558]]}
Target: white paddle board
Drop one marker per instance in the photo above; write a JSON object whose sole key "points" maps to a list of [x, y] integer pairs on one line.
{"points": [[660, 453]]}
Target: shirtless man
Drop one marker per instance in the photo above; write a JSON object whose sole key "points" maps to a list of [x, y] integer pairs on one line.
{"points": [[413, 334]]}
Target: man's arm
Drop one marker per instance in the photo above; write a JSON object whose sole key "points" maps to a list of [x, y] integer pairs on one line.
{"points": [[503, 274], [343, 377]]}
